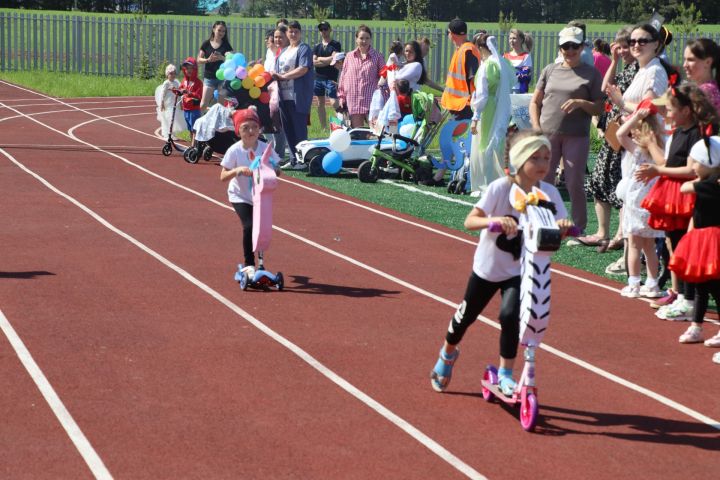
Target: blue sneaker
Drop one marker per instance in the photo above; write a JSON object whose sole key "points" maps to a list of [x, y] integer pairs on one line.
{"points": [[507, 386], [442, 372]]}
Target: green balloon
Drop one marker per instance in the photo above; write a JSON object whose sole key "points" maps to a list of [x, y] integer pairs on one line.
{"points": [[228, 56], [235, 84], [220, 75]]}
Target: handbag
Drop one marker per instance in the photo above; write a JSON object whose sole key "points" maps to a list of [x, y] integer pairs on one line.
{"points": [[611, 134]]}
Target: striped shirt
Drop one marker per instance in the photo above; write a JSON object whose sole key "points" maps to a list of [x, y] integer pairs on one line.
{"points": [[359, 79]]}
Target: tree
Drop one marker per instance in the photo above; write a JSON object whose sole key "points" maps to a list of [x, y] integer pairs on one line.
{"points": [[687, 19]]}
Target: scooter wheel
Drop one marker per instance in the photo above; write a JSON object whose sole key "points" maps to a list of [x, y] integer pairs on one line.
{"points": [[167, 150], [279, 281], [207, 153], [191, 155], [489, 376], [244, 281], [452, 185], [529, 413], [406, 175], [460, 187]]}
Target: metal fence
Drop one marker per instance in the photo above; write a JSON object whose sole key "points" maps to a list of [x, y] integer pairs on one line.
{"points": [[141, 46]]}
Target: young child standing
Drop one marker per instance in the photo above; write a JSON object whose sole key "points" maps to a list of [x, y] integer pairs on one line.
{"points": [[636, 135], [670, 210], [236, 165], [191, 89], [496, 265], [165, 100], [697, 256]]}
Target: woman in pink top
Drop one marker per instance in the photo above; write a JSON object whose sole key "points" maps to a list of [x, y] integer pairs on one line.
{"points": [[359, 77], [701, 56], [601, 56]]}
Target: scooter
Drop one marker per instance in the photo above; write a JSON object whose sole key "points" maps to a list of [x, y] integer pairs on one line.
{"points": [[541, 237], [170, 144], [264, 183]]}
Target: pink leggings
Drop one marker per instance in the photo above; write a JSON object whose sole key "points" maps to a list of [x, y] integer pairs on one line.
{"points": [[574, 152]]}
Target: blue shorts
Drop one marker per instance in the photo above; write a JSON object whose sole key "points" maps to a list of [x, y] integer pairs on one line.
{"points": [[213, 83], [190, 117], [325, 88]]}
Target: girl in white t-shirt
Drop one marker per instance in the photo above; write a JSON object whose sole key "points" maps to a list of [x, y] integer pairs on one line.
{"points": [[496, 265], [236, 165]]}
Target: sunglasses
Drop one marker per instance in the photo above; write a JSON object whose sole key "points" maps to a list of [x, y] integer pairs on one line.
{"points": [[640, 41], [570, 46]]}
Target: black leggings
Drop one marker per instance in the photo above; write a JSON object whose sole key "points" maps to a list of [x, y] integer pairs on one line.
{"points": [[703, 292], [687, 289], [478, 294], [245, 212]]}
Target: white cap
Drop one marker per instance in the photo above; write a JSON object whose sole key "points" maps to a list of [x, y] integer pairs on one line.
{"points": [[699, 152], [570, 34]]}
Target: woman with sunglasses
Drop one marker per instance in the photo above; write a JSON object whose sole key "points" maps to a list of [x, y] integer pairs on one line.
{"points": [[566, 97], [212, 54], [651, 80]]}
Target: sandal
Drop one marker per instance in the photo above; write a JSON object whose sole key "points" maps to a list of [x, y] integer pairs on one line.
{"points": [[442, 372], [616, 244], [591, 240]]}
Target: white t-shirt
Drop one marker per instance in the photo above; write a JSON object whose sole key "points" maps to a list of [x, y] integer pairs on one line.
{"points": [[287, 61], [410, 72], [491, 263], [240, 187]]}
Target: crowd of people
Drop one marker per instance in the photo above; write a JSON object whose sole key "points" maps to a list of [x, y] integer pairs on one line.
{"points": [[658, 165]]}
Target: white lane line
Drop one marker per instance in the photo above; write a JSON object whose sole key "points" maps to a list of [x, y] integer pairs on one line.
{"points": [[148, 105], [73, 431], [410, 188], [395, 419], [603, 373]]}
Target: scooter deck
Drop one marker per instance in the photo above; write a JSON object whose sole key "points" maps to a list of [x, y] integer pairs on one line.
{"points": [[513, 400]]}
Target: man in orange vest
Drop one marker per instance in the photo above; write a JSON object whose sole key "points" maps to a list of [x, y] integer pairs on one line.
{"points": [[459, 86]]}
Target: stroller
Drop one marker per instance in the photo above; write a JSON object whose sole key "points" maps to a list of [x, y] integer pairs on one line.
{"points": [[214, 131], [408, 154]]}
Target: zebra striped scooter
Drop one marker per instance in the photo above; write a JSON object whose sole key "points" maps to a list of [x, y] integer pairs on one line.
{"points": [[541, 237]]}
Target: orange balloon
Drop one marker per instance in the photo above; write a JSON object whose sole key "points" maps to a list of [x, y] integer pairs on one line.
{"points": [[260, 81], [261, 69]]}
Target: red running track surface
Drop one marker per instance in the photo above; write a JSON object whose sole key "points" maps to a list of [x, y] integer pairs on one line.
{"points": [[121, 290]]}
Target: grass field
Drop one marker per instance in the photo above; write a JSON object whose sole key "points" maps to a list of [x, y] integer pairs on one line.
{"points": [[599, 27]]}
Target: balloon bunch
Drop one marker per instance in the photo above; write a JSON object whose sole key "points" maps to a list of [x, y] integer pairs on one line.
{"points": [[234, 70]]}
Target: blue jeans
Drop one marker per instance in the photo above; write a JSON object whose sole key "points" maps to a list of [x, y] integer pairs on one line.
{"points": [[325, 88], [294, 125]]}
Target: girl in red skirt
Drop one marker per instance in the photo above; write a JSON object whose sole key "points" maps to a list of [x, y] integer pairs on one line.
{"points": [[697, 256], [670, 210]]}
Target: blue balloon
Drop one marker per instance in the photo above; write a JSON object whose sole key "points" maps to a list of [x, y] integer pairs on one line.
{"points": [[407, 120], [332, 162], [239, 60]]}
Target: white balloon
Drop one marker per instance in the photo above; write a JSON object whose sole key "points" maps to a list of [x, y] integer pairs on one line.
{"points": [[407, 130], [339, 140]]}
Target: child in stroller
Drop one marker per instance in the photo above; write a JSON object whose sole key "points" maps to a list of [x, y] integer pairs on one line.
{"points": [[215, 133], [408, 154]]}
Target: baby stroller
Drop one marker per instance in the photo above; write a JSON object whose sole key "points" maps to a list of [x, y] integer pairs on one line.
{"points": [[214, 131], [408, 154]]}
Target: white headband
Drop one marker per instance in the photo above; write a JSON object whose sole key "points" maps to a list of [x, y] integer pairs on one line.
{"points": [[522, 150], [699, 152]]}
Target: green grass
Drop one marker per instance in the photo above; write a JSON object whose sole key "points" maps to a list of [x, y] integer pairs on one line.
{"points": [[72, 85]]}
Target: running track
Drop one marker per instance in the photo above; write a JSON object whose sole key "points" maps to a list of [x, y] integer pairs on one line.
{"points": [[129, 352]]}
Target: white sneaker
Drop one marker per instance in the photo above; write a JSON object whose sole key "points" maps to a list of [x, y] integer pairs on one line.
{"points": [[713, 341], [682, 312], [630, 291], [694, 334], [250, 271], [666, 308], [650, 292], [716, 357]]}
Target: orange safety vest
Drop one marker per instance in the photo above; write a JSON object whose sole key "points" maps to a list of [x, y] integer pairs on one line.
{"points": [[456, 95]]}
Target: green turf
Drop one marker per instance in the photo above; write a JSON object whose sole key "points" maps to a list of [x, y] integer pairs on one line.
{"points": [[73, 85]]}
